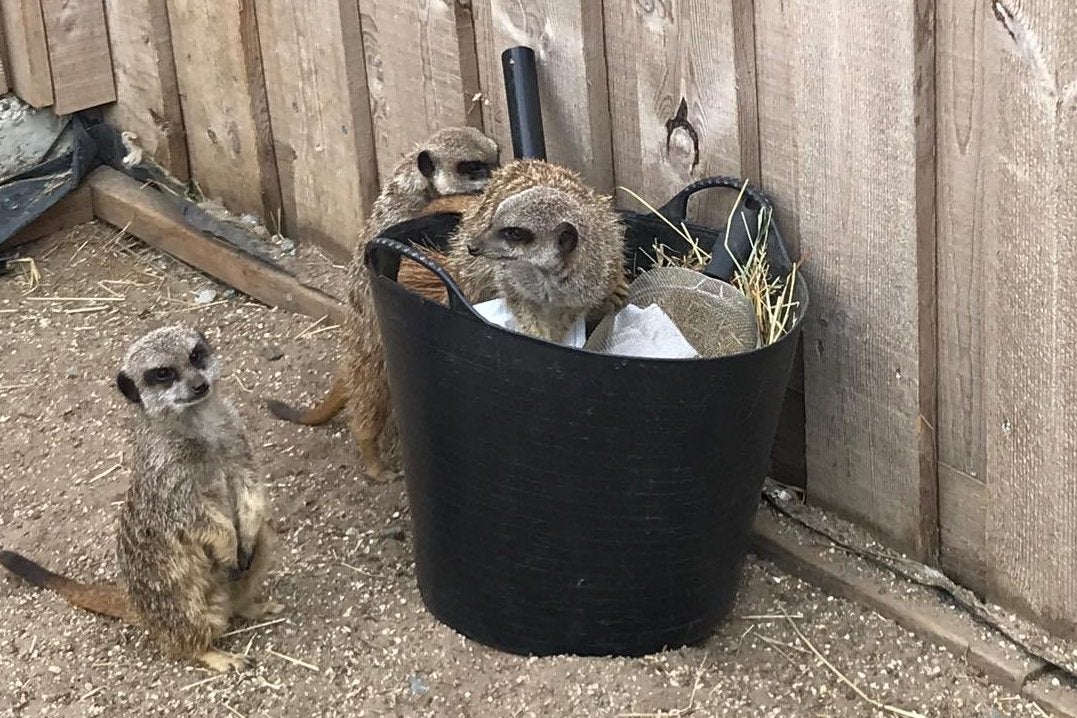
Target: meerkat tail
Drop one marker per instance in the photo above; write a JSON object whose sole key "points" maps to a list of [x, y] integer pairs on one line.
{"points": [[105, 599], [320, 414]]}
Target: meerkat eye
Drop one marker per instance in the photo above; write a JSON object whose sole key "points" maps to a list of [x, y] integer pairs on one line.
{"points": [[163, 375], [472, 169], [198, 356], [516, 235], [567, 239]]}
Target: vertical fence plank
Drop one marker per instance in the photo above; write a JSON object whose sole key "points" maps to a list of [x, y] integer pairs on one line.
{"points": [[27, 51], [316, 83], [966, 108], [413, 73], [4, 85], [857, 155], [219, 67], [674, 99], [147, 96], [78, 54], [567, 38], [1031, 310]]}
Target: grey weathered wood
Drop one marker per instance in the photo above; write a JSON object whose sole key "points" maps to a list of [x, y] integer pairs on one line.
{"points": [[568, 40], [79, 54], [147, 94], [414, 74], [675, 100], [219, 67], [27, 57], [860, 82], [1030, 305], [322, 130]]}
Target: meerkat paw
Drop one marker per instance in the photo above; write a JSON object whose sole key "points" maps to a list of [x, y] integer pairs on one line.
{"points": [[224, 662], [260, 610]]}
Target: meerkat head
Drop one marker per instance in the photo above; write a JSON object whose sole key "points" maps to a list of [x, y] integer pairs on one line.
{"points": [[535, 239], [456, 160], [169, 370]]}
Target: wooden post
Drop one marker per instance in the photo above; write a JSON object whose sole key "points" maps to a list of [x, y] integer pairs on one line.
{"points": [[78, 54], [27, 51]]}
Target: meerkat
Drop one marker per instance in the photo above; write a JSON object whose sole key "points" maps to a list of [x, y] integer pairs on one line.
{"points": [[193, 541], [545, 241], [537, 235], [451, 164]]}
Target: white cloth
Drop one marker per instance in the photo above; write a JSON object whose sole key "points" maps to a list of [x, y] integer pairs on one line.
{"points": [[496, 311], [648, 333]]}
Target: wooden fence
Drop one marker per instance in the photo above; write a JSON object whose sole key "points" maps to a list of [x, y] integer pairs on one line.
{"points": [[923, 154]]}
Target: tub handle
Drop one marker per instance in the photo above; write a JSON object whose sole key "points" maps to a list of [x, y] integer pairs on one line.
{"points": [[383, 255], [676, 209]]}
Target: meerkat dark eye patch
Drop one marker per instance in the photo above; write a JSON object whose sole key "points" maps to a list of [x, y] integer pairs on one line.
{"points": [[161, 376], [473, 169], [425, 164], [516, 235], [128, 388], [199, 355], [567, 238]]}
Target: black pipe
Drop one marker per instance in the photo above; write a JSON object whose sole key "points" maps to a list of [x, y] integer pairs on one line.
{"points": [[525, 107]]}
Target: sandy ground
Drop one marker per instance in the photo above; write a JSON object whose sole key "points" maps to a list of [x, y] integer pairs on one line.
{"points": [[355, 639]]}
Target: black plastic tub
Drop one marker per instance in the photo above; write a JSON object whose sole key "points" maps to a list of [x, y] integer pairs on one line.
{"points": [[564, 501]]}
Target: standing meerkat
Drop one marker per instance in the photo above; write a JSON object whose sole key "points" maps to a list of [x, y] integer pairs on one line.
{"points": [[193, 540], [449, 165], [538, 236]]}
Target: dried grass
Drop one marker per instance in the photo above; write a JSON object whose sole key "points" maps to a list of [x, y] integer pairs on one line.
{"points": [[773, 298]]}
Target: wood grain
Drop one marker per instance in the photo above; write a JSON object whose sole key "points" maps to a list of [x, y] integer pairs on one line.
{"points": [[78, 54], [143, 212], [966, 108], [567, 38], [413, 73], [222, 88], [27, 51], [321, 122], [860, 78], [677, 106], [4, 85], [1030, 263], [147, 93]]}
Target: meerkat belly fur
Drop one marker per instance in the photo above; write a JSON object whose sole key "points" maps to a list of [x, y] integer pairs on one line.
{"points": [[453, 162], [193, 539]]}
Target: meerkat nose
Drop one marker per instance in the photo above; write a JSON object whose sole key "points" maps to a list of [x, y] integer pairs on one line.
{"points": [[200, 387], [472, 251]]}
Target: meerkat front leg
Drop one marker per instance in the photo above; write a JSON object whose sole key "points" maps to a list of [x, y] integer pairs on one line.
{"points": [[246, 588], [221, 543]]}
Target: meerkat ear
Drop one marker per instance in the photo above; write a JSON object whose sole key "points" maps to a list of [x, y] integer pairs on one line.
{"points": [[426, 164], [128, 388], [567, 237]]}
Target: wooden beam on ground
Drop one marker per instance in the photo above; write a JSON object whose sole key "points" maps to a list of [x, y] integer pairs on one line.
{"points": [[322, 132], [27, 51], [810, 557], [567, 37], [676, 108], [144, 213], [413, 73], [147, 93], [74, 209], [222, 88], [78, 54], [840, 82]]}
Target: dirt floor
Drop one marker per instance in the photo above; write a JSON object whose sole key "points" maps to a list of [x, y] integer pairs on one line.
{"points": [[355, 639]]}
